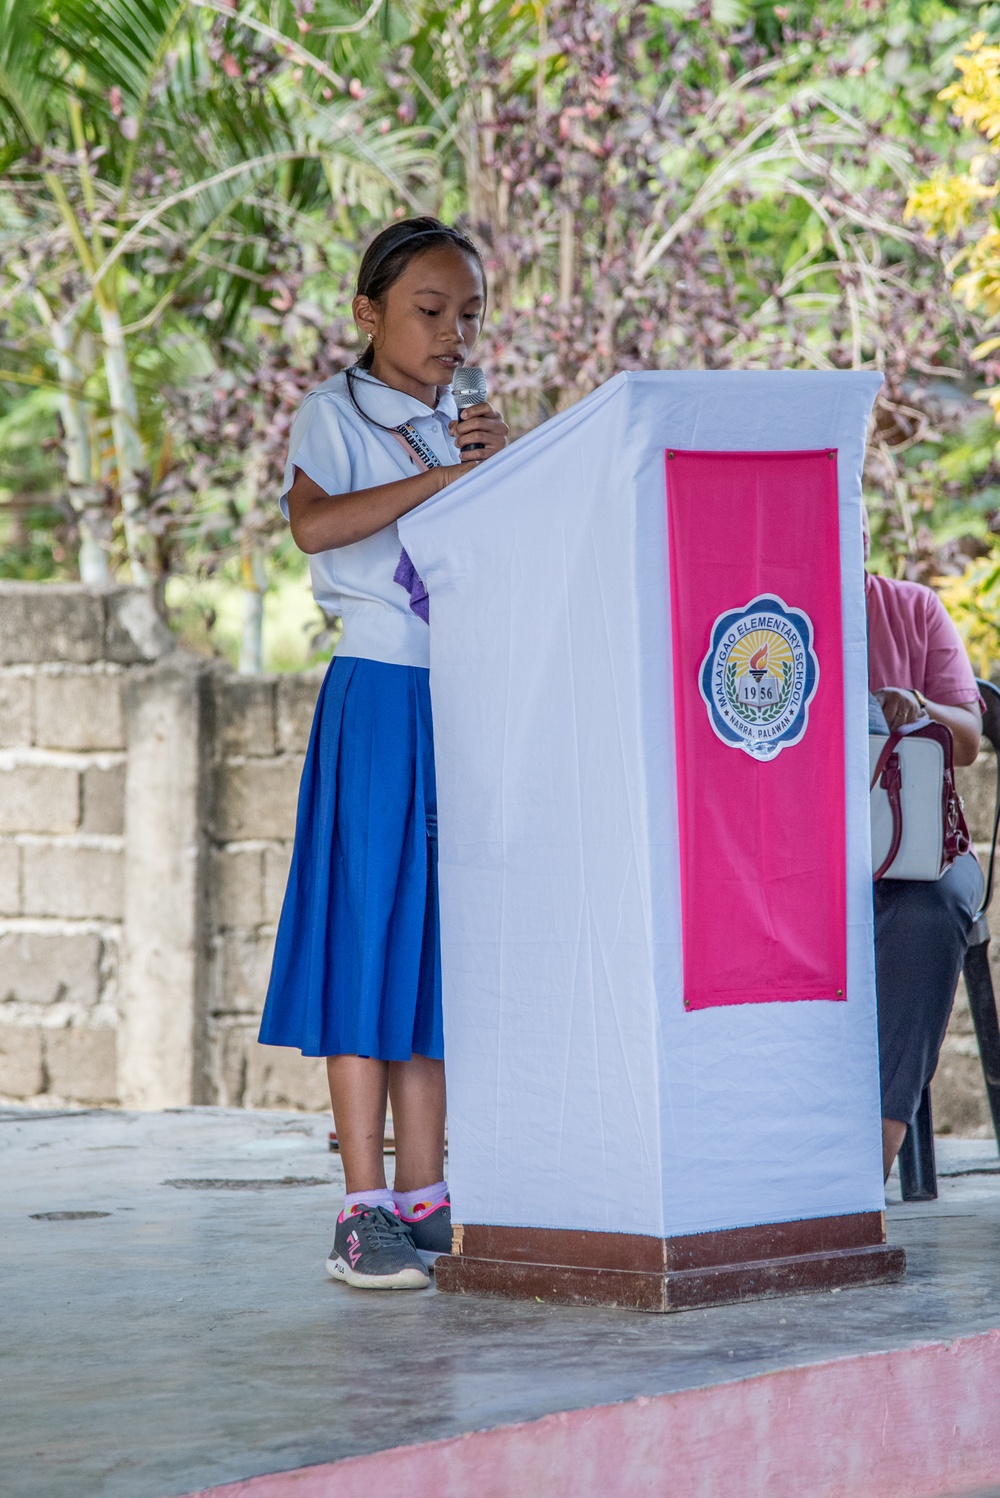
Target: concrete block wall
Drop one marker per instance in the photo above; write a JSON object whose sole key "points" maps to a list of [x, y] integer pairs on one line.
{"points": [[259, 742], [147, 808], [65, 655]]}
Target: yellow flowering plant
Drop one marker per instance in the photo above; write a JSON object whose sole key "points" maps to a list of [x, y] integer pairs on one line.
{"points": [[973, 601], [948, 205]]}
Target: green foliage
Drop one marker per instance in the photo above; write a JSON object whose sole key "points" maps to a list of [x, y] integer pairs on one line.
{"points": [[34, 521], [159, 156], [687, 183], [973, 601]]}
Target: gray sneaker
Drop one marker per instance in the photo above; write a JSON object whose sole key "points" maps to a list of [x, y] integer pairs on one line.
{"points": [[372, 1250], [431, 1232]]}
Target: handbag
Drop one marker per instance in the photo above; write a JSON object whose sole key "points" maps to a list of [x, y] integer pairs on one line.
{"points": [[918, 824]]}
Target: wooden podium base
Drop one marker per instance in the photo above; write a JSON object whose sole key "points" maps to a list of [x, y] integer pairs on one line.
{"points": [[639, 1273]]}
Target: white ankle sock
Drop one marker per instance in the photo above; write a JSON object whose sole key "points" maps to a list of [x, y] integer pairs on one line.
{"points": [[355, 1199], [416, 1203]]}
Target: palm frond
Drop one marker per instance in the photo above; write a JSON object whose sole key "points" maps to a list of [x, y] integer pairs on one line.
{"points": [[119, 43], [24, 89]]}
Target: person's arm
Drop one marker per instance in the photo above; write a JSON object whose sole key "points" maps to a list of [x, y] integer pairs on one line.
{"points": [[321, 521], [900, 705]]}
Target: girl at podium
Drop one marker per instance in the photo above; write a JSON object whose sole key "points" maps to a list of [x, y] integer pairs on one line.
{"points": [[356, 970]]}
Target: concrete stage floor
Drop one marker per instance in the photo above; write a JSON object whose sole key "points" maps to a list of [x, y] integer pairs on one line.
{"points": [[190, 1336]]}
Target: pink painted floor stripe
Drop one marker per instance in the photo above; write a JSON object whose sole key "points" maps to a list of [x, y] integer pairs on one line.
{"points": [[915, 1423]]}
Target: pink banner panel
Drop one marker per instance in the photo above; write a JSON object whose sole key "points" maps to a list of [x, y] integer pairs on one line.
{"points": [[759, 722]]}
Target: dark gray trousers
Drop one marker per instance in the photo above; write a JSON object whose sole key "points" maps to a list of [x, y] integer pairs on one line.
{"points": [[921, 935]]}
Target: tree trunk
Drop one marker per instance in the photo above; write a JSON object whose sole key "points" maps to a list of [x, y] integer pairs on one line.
{"points": [[567, 249], [254, 581], [130, 453], [84, 495], [253, 575]]}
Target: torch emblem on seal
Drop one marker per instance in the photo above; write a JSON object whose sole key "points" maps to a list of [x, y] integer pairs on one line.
{"points": [[759, 676]]}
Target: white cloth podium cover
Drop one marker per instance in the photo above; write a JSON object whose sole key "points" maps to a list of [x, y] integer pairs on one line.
{"points": [[635, 1042]]}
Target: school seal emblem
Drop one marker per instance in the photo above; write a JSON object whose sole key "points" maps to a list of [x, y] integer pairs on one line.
{"points": [[759, 676]]}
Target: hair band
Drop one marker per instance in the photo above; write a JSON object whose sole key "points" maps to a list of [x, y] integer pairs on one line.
{"points": [[453, 234]]}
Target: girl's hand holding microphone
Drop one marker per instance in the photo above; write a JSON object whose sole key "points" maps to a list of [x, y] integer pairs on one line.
{"points": [[479, 432]]}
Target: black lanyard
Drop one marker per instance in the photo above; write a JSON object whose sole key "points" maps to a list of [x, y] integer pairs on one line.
{"points": [[423, 451]]}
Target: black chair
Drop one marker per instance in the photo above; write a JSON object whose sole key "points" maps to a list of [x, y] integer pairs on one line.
{"points": [[917, 1171]]}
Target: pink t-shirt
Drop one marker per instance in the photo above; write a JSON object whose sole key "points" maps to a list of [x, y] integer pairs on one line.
{"points": [[912, 643]]}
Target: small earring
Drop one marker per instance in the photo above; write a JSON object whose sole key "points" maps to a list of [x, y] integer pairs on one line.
{"points": [[371, 337]]}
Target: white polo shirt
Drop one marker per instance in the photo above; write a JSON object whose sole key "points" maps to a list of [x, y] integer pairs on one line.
{"points": [[342, 452]]}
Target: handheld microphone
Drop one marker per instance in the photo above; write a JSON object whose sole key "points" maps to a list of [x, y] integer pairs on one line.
{"points": [[469, 389]]}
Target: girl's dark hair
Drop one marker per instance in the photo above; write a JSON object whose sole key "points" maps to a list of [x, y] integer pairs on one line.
{"points": [[385, 260]]}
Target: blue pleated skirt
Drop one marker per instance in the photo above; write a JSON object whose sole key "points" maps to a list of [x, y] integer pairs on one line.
{"points": [[357, 967]]}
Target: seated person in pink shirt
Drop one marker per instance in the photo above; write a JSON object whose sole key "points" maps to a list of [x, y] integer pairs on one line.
{"points": [[917, 667]]}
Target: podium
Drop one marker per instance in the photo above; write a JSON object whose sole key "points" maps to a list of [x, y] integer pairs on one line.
{"points": [[649, 685]]}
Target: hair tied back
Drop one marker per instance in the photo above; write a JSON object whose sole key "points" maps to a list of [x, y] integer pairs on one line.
{"points": [[388, 255], [391, 251]]}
